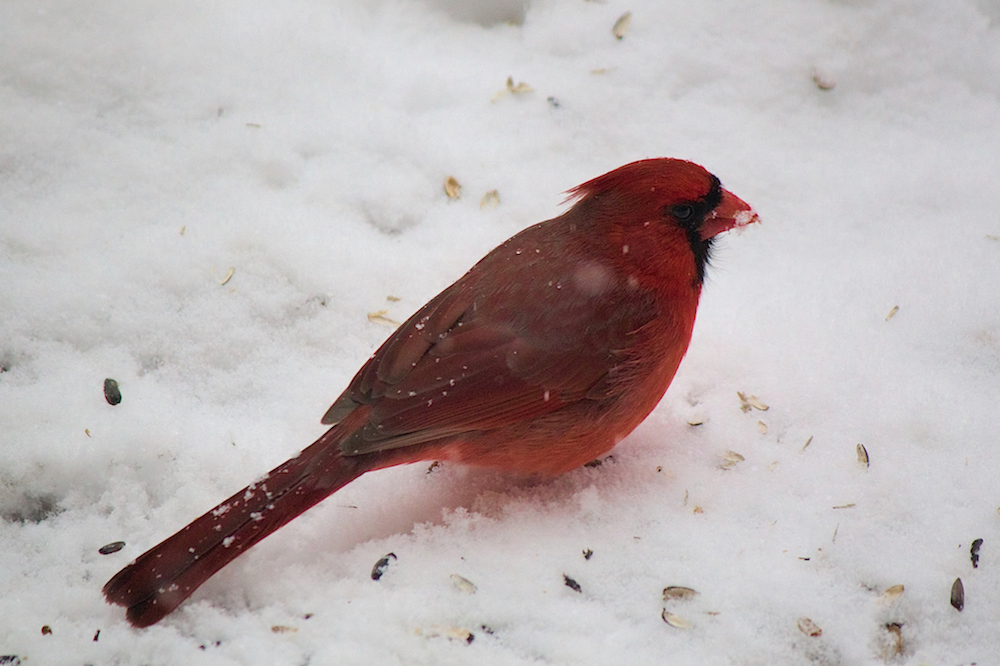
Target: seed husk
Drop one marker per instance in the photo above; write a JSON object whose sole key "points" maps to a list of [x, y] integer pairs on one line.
{"points": [[112, 547], [894, 646], [621, 26], [572, 584], [809, 628], [111, 392], [382, 565], [678, 593], [675, 620], [512, 88], [379, 317], [452, 188], [730, 459], [822, 81], [893, 592], [451, 633], [463, 584], [974, 552], [748, 402], [958, 595], [490, 200]]}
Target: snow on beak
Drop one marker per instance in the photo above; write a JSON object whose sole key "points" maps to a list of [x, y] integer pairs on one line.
{"points": [[731, 213]]}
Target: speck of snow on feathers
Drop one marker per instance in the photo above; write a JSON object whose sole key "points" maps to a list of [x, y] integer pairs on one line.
{"points": [[150, 151]]}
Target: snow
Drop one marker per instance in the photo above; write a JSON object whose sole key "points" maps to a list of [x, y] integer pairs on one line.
{"points": [[148, 148]]}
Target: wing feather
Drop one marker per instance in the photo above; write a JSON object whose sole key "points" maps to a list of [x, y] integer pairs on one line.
{"points": [[493, 350]]}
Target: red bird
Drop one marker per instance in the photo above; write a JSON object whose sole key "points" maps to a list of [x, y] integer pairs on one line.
{"points": [[542, 357]]}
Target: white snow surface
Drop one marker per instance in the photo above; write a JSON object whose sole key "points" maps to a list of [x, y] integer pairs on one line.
{"points": [[148, 148]]}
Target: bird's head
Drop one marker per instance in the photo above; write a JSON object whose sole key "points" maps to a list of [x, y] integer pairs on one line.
{"points": [[655, 207]]}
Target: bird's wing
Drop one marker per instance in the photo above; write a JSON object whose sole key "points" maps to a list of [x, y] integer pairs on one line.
{"points": [[477, 358]]}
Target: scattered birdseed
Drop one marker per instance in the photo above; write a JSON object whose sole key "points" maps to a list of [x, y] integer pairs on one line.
{"points": [[518, 89], [283, 629], [622, 25], [111, 392], [863, 455], [228, 276], [463, 584], [809, 628], [452, 188], [382, 565], [731, 459], [513, 89], [974, 552], [892, 312], [678, 593], [379, 317], [112, 547], [572, 584], [748, 402], [490, 200], [822, 81], [600, 461], [893, 592], [451, 633], [894, 645], [958, 595], [675, 620]]}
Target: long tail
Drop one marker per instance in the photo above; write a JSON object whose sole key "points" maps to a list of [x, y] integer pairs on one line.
{"points": [[161, 578]]}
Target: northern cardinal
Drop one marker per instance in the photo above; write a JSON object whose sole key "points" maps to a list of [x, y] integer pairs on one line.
{"points": [[541, 358]]}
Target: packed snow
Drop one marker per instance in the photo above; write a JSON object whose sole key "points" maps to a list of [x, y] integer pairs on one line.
{"points": [[223, 206]]}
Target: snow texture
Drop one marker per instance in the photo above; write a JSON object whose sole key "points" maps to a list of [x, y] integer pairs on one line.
{"points": [[148, 150]]}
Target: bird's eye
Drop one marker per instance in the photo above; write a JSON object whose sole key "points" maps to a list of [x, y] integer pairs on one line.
{"points": [[682, 212]]}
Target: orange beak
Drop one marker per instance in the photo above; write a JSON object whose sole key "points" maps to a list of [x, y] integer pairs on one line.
{"points": [[732, 212]]}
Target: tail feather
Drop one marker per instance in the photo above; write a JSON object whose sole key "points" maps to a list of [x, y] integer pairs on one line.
{"points": [[164, 576]]}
